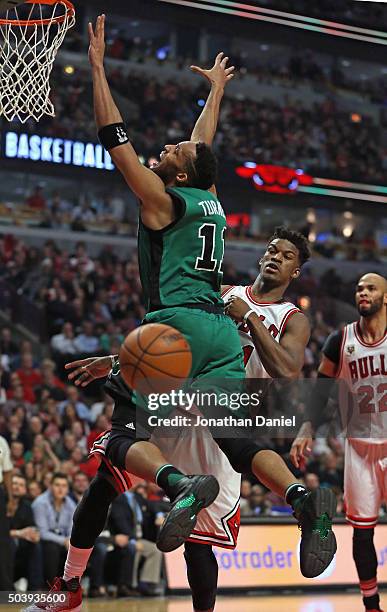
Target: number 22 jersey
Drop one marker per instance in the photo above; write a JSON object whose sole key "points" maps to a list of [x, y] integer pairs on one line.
{"points": [[363, 369]]}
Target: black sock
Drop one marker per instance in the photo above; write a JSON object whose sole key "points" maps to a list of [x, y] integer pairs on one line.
{"points": [[167, 478], [294, 493], [372, 603], [366, 561]]}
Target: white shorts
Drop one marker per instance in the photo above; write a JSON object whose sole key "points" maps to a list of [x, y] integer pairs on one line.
{"points": [[199, 454], [365, 481]]}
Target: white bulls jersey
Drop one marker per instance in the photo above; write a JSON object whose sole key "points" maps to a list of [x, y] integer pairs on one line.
{"points": [[274, 316], [364, 369], [199, 453], [363, 402]]}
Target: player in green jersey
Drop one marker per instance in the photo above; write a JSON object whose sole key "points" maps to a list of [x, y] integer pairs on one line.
{"points": [[182, 264], [180, 252]]}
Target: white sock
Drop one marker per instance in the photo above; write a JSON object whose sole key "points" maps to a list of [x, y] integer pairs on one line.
{"points": [[76, 562]]}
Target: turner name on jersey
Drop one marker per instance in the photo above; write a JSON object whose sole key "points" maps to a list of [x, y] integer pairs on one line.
{"points": [[274, 316]]}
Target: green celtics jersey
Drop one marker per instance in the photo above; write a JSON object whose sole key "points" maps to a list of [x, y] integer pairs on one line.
{"points": [[181, 264]]}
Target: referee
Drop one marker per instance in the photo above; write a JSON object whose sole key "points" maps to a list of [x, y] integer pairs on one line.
{"points": [[7, 509]]}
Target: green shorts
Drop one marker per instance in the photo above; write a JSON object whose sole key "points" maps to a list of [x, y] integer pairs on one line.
{"points": [[217, 372], [213, 338]]}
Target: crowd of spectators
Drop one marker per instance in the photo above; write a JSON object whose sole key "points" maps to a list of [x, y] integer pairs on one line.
{"points": [[50, 427], [320, 138], [50, 424], [291, 67], [303, 67], [90, 303], [97, 211], [125, 560], [116, 213]]}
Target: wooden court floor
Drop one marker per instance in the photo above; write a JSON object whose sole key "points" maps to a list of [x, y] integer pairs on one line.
{"points": [[283, 603]]}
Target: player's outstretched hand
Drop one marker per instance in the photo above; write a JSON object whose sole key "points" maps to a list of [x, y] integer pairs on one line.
{"points": [[87, 370], [219, 74], [97, 42], [302, 446]]}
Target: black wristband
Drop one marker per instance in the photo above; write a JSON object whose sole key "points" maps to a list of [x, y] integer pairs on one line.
{"points": [[113, 135]]}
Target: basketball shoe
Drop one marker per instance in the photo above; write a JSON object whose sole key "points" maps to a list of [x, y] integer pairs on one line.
{"points": [[193, 494], [62, 597], [314, 512]]}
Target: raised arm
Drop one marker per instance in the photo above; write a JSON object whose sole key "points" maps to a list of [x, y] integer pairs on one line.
{"points": [[156, 204], [218, 76]]}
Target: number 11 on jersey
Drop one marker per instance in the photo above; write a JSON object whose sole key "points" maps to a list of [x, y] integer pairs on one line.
{"points": [[207, 261]]}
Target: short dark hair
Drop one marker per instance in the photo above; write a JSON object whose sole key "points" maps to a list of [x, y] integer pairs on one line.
{"points": [[203, 170], [59, 476], [300, 242]]}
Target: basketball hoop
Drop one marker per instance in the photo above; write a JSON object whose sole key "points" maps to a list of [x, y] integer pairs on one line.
{"points": [[30, 36]]}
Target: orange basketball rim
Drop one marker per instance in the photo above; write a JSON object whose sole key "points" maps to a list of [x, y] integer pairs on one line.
{"points": [[67, 5], [31, 33]]}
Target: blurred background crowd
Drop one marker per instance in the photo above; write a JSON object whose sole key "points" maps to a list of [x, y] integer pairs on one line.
{"points": [[317, 134], [288, 106]]}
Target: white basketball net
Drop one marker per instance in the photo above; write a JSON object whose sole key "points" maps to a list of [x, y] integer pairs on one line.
{"points": [[27, 54]]}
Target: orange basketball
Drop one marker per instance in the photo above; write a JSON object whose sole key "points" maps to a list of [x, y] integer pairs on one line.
{"points": [[155, 358]]}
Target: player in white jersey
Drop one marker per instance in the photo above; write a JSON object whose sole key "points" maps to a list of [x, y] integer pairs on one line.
{"points": [[357, 355], [273, 315], [219, 523]]}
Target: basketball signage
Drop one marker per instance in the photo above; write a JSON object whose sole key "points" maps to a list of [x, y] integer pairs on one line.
{"points": [[56, 151]]}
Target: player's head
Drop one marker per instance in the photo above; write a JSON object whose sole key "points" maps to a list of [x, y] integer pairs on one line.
{"points": [[187, 164], [285, 253], [371, 294]]}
